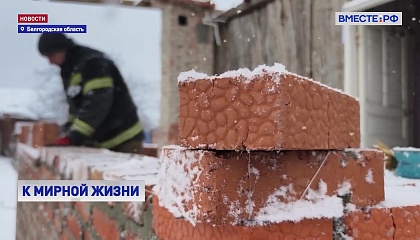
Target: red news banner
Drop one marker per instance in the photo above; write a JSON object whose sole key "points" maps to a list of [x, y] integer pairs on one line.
{"points": [[32, 18]]}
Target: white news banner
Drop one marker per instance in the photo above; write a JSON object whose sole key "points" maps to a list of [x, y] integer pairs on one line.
{"points": [[81, 191]]}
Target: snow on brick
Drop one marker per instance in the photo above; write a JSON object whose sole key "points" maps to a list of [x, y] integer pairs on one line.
{"points": [[317, 205], [33, 153], [175, 179], [77, 162], [139, 168], [369, 177], [191, 76], [345, 188], [245, 74]]}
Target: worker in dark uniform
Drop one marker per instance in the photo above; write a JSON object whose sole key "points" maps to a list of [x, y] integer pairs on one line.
{"points": [[101, 110]]}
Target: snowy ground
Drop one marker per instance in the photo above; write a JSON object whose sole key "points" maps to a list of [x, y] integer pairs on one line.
{"points": [[8, 178], [401, 191]]}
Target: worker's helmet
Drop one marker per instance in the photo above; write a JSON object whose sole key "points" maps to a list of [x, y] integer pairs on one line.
{"points": [[53, 42]]}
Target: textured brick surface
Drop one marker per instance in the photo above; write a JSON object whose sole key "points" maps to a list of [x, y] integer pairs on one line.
{"points": [[293, 114], [396, 223], [105, 227], [228, 187], [376, 223], [407, 222], [169, 228]]}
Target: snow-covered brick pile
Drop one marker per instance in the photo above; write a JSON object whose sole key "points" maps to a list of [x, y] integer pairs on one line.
{"points": [[260, 150]]}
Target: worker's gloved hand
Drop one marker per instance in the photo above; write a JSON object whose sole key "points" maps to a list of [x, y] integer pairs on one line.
{"points": [[73, 138], [64, 141], [76, 138]]}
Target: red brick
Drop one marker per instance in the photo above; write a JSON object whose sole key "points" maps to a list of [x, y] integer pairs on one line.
{"points": [[168, 227], [46, 174], [293, 113], [225, 177], [406, 222], [105, 227], [83, 208], [44, 133], [73, 226], [377, 222], [65, 236], [150, 151], [24, 134]]}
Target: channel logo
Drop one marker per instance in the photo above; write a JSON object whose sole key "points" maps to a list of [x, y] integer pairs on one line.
{"points": [[368, 18]]}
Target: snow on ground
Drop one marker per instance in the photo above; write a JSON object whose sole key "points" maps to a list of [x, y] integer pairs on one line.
{"points": [[8, 178], [401, 191]]}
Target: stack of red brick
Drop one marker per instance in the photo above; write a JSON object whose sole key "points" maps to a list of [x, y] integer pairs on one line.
{"points": [[264, 155]]}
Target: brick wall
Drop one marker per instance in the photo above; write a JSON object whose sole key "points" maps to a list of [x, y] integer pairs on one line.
{"points": [[77, 220]]}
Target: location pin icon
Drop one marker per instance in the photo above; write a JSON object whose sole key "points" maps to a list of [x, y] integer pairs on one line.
{"points": [[22, 29]]}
